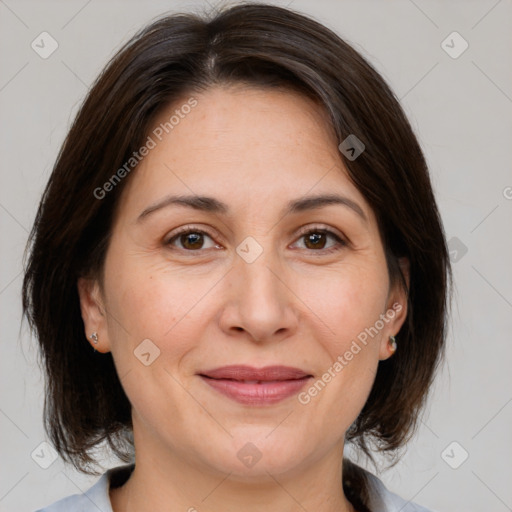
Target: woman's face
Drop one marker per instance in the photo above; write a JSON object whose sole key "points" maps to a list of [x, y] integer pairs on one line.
{"points": [[264, 277]]}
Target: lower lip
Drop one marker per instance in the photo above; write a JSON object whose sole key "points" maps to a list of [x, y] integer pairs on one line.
{"points": [[257, 394]]}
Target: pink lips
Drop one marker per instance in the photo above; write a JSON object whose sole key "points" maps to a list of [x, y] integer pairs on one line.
{"points": [[256, 386]]}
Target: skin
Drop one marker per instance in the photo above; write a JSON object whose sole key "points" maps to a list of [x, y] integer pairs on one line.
{"points": [[205, 307]]}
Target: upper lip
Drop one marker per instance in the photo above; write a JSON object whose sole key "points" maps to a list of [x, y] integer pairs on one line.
{"points": [[249, 373]]}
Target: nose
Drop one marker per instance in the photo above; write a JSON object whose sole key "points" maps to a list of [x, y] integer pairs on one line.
{"points": [[260, 304]]}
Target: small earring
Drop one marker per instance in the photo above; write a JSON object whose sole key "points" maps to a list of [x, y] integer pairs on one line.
{"points": [[94, 337], [392, 344]]}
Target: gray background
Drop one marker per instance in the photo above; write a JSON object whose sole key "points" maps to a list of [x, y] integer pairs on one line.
{"points": [[461, 109]]}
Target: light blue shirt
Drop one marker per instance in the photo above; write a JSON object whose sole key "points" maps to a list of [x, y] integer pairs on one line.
{"points": [[97, 499]]}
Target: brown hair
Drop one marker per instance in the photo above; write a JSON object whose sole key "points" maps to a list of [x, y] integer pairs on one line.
{"points": [[252, 44]]}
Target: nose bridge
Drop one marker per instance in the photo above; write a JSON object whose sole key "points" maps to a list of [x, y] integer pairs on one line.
{"points": [[262, 302], [255, 270]]}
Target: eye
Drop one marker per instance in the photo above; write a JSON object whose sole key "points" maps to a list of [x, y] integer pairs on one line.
{"points": [[316, 239], [190, 239]]}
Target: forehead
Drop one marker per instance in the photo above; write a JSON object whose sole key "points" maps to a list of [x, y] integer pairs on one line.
{"points": [[242, 145]]}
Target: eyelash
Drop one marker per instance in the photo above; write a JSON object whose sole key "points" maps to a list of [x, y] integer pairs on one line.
{"points": [[341, 242]]}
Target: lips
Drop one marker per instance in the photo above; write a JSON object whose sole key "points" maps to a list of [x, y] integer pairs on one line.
{"points": [[248, 373], [256, 386]]}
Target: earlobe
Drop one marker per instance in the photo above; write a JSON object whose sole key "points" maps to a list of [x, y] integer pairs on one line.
{"points": [[397, 308], [92, 309], [390, 341]]}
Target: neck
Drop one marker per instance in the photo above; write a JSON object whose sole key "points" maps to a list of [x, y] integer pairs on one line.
{"points": [[173, 482]]}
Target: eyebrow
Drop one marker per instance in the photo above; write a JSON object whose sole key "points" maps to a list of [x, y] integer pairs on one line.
{"points": [[212, 205]]}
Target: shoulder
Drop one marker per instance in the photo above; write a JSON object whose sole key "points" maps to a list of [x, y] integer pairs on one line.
{"points": [[94, 499], [383, 500]]}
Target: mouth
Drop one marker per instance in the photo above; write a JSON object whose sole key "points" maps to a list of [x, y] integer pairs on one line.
{"points": [[256, 386]]}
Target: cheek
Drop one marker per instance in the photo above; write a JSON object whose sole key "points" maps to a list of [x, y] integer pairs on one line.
{"points": [[142, 303], [346, 313], [347, 304], [152, 301], [150, 333]]}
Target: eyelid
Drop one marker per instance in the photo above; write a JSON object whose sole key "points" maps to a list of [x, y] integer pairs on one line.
{"points": [[189, 228], [321, 227]]}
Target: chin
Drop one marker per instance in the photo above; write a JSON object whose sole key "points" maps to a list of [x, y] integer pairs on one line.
{"points": [[253, 454]]}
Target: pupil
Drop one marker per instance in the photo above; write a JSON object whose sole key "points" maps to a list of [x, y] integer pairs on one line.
{"points": [[314, 238], [193, 238]]}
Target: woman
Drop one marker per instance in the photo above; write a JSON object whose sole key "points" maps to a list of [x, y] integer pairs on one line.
{"points": [[237, 268]]}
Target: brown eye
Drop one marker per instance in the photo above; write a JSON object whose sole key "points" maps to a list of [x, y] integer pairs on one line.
{"points": [[190, 240], [317, 240]]}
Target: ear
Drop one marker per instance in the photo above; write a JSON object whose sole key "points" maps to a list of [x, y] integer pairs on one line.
{"points": [[93, 313], [396, 311]]}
